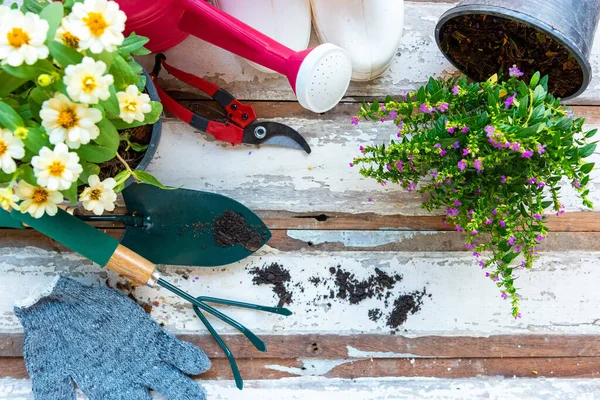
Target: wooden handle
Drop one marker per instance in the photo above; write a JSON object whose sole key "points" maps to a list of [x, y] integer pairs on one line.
{"points": [[133, 266]]}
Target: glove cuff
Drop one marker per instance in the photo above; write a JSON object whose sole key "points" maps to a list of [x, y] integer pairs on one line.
{"points": [[38, 293]]}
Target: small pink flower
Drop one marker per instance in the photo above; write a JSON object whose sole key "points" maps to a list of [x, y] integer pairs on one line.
{"points": [[437, 145], [450, 129], [351, 165], [478, 165], [455, 90], [474, 232], [515, 72], [464, 129], [458, 228], [527, 154], [504, 296], [443, 153], [477, 255], [465, 151], [362, 149], [457, 203], [489, 130], [442, 107], [511, 240], [502, 223], [354, 120], [541, 149], [462, 165], [488, 221], [455, 145], [503, 179]]}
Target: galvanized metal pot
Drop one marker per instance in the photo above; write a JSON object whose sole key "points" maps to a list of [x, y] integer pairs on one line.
{"points": [[572, 23]]}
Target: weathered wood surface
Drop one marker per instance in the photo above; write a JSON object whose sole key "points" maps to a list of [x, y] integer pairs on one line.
{"points": [[559, 295], [418, 57], [375, 389]]}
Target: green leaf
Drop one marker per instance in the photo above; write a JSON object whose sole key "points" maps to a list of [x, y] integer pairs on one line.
{"points": [[145, 177], [133, 43], [537, 113], [523, 89], [71, 194], [106, 57], [534, 80], [111, 105], [34, 6], [587, 168], [122, 178], [374, 106], [36, 98], [27, 174], [150, 118], [36, 139], [141, 83], [530, 130], [587, 150], [138, 147], [544, 82], [546, 204], [88, 170], [563, 123], [509, 257], [64, 55], [539, 95], [95, 153], [109, 137], [30, 72], [590, 133], [53, 13], [421, 96], [523, 110], [9, 118], [9, 83], [122, 73]]}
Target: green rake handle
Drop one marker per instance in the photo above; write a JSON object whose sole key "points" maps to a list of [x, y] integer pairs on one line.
{"points": [[274, 310]]}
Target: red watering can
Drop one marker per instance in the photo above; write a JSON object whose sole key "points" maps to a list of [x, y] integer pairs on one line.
{"points": [[319, 76]]}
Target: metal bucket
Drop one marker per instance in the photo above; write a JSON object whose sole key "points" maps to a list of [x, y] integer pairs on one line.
{"points": [[572, 23]]}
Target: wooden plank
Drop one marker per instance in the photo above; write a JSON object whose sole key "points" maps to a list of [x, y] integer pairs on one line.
{"points": [[418, 57], [558, 296], [304, 388], [279, 179], [367, 346], [342, 240], [565, 367]]}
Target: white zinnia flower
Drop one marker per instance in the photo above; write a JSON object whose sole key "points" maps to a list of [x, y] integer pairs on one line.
{"points": [[99, 196], [98, 24], [22, 38], [70, 122], [8, 200], [56, 169], [86, 82], [11, 149], [38, 200], [65, 35], [133, 104]]}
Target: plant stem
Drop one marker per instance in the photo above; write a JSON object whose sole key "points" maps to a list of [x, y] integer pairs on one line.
{"points": [[124, 162]]}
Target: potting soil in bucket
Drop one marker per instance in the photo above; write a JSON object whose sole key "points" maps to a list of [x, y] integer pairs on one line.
{"points": [[483, 37]]}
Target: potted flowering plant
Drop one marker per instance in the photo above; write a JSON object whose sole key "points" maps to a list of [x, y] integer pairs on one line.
{"points": [[71, 99], [491, 156]]}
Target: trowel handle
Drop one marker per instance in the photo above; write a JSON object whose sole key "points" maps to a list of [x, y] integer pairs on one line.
{"points": [[221, 29], [92, 243], [131, 265]]}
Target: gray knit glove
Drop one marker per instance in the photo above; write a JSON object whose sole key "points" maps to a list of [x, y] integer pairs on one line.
{"points": [[107, 344]]}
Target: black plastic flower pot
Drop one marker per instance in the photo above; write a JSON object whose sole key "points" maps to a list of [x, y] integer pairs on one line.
{"points": [[482, 37], [156, 131]]}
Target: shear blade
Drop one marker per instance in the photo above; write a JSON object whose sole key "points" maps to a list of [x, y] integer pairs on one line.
{"points": [[275, 134]]}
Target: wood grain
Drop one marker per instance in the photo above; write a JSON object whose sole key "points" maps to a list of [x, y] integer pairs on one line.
{"points": [[359, 346], [449, 368], [131, 265]]}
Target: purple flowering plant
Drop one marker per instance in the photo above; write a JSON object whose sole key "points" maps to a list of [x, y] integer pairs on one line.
{"points": [[502, 179]]}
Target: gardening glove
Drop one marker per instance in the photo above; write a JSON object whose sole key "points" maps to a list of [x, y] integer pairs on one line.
{"points": [[107, 344]]}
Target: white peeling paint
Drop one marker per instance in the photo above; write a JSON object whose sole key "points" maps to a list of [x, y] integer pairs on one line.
{"points": [[306, 388], [356, 353], [356, 238], [463, 301], [310, 367]]}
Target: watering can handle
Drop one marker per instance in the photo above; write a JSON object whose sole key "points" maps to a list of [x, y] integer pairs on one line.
{"points": [[215, 26]]}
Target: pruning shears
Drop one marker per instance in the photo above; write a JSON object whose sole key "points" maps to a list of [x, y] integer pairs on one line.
{"points": [[242, 126]]}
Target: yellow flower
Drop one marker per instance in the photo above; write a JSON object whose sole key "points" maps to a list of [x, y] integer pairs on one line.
{"points": [[8, 200], [86, 82], [133, 104], [98, 25], [99, 196], [56, 169], [11, 149], [38, 200], [70, 122], [22, 37]]}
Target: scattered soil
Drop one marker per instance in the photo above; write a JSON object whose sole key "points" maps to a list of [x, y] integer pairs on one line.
{"points": [[344, 286], [142, 135], [128, 289], [231, 229], [404, 305], [482, 45], [356, 291], [274, 274]]}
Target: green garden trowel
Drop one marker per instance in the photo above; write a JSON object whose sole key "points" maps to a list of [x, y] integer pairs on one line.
{"points": [[182, 226]]}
